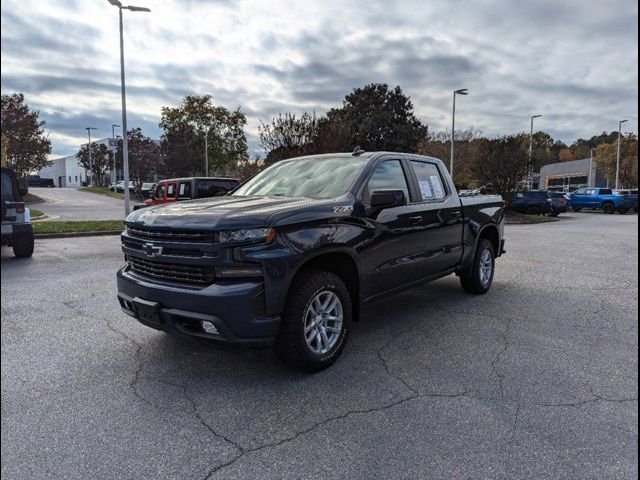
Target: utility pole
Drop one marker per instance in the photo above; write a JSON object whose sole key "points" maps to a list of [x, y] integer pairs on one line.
{"points": [[618, 153], [90, 158], [113, 152], [530, 169]]}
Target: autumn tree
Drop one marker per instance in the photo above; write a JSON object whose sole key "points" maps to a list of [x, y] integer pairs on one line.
{"points": [[98, 163], [27, 145], [466, 153], [379, 118], [3, 150], [247, 168], [605, 157], [502, 163], [144, 157], [185, 128]]}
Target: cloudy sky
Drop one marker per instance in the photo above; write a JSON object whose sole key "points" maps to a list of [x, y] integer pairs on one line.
{"points": [[576, 62]]}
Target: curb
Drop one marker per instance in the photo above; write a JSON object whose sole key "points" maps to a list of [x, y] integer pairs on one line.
{"points": [[38, 236]]}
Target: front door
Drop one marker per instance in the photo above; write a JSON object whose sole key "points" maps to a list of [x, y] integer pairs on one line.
{"points": [[396, 251], [442, 218]]}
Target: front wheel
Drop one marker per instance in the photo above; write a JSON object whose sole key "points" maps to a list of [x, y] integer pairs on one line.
{"points": [[315, 323], [479, 277]]}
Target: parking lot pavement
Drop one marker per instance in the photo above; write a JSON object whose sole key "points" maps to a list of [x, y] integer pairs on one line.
{"points": [[536, 379], [74, 204]]}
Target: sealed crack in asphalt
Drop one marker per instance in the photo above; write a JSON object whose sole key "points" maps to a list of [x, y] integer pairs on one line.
{"points": [[494, 363]]}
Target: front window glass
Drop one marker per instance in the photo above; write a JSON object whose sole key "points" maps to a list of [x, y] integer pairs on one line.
{"points": [[313, 177], [387, 176]]}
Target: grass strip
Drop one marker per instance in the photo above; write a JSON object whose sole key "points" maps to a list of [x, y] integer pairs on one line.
{"points": [[102, 191], [77, 226]]}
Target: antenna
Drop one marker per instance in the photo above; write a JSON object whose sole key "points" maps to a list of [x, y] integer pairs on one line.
{"points": [[357, 151]]}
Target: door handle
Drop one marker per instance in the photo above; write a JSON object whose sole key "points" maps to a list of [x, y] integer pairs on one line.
{"points": [[416, 219]]}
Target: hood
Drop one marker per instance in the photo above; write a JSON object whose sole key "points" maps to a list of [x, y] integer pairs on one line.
{"points": [[228, 212]]}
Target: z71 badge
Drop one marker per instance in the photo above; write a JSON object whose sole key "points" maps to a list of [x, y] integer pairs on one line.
{"points": [[343, 209]]}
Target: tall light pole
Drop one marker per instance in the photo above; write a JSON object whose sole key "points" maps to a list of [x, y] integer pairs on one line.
{"points": [[461, 91], [206, 153], [589, 177], [618, 153], [113, 152], [530, 182], [125, 143], [90, 159]]}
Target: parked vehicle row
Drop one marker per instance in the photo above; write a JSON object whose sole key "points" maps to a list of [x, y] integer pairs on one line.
{"points": [[37, 181], [288, 258], [179, 189], [542, 202]]}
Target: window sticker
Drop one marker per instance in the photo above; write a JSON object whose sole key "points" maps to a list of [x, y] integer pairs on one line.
{"points": [[437, 186], [425, 189]]}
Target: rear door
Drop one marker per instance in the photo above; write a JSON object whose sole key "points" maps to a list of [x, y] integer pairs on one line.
{"points": [[185, 188], [442, 219]]}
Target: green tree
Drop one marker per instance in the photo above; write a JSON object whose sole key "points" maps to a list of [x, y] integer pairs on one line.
{"points": [[27, 145], [185, 128], [288, 135], [379, 118], [144, 157], [99, 162], [502, 163]]}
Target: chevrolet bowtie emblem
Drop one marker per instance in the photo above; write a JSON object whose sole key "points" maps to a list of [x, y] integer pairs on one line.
{"points": [[150, 250]]}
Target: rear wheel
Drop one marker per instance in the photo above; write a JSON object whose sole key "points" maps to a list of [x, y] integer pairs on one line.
{"points": [[609, 209], [23, 245], [315, 323], [479, 278]]}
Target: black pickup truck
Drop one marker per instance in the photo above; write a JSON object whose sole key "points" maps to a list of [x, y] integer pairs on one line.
{"points": [[288, 258]]}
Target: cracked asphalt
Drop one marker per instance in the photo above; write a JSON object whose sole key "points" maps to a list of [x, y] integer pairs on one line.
{"points": [[536, 379]]}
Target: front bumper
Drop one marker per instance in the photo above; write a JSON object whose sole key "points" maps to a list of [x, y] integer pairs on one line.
{"points": [[236, 310]]}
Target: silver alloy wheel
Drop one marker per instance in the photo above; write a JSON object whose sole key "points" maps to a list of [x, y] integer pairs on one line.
{"points": [[323, 322], [486, 267]]}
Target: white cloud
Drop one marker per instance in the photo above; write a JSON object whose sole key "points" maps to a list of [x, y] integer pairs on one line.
{"points": [[576, 65]]}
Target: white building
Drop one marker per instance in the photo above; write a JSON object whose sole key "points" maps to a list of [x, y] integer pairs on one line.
{"points": [[67, 172]]}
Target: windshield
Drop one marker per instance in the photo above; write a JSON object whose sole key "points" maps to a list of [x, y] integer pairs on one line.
{"points": [[313, 177]]}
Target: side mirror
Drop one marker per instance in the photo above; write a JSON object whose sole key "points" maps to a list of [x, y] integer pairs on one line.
{"points": [[387, 199]]}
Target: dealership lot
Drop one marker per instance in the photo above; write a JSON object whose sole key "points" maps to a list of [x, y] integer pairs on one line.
{"points": [[538, 378], [74, 204]]}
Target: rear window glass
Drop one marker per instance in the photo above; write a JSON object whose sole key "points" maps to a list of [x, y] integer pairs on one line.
{"points": [[429, 181], [211, 188], [7, 185]]}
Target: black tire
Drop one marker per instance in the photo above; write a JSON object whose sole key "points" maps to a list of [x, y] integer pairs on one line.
{"points": [[23, 245], [471, 279], [291, 345], [533, 211], [609, 209], [623, 211], [576, 209]]}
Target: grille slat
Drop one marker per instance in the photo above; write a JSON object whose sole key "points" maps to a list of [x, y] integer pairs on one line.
{"points": [[188, 274], [164, 235]]}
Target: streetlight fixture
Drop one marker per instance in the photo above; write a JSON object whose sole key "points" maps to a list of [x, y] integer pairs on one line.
{"points": [[90, 159], [125, 144], [461, 91], [618, 153], [113, 152], [530, 173]]}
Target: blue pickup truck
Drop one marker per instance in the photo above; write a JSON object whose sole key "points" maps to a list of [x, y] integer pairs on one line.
{"points": [[600, 198]]}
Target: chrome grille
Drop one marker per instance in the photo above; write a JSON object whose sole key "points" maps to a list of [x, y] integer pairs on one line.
{"points": [[166, 235], [171, 272]]}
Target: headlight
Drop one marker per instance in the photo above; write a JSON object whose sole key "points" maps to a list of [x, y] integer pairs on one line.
{"points": [[247, 236]]}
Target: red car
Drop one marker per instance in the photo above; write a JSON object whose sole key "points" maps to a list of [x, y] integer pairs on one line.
{"points": [[177, 189]]}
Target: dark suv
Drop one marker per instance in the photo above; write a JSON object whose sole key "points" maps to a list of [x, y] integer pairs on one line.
{"points": [[534, 202], [17, 231]]}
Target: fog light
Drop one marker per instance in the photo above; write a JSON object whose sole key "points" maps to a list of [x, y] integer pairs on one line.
{"points": [[209, 327], [238, 272]]}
